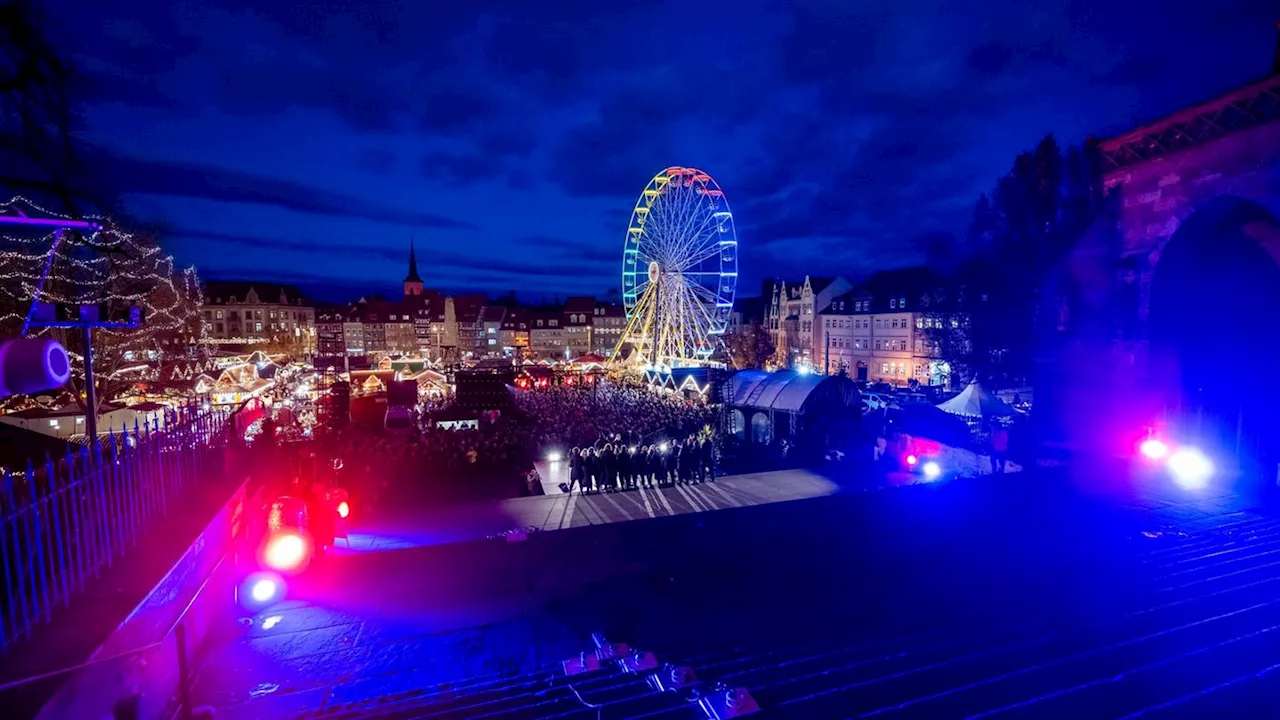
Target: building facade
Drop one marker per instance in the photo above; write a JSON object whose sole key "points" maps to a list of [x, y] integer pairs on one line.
{"points": [[513, 338], [256, 315], [608, 321], [546, 335], [877, 332], [579, 323], [795, 313]]}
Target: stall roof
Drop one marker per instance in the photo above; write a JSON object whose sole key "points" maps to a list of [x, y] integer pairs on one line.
{"points": [[783, 390]]}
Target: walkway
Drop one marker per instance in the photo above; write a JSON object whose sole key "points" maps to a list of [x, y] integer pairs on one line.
{"points": [[459, 523]]}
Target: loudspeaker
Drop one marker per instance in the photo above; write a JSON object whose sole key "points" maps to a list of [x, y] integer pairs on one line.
{"points": [[29, 366]]}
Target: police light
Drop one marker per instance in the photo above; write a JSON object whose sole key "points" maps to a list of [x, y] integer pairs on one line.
{"points": [[286, 552], [264, 590], [931, 470], [1190, 468], [344, 509], [912, 460]]}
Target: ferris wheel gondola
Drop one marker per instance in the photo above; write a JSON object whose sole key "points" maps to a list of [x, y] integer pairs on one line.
{"points": [[679, 270]]}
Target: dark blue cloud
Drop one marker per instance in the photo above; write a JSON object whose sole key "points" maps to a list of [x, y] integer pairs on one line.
{"points": [[129, 175], [521, 133]]}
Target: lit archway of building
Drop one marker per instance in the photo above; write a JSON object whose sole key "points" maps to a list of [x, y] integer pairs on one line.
{"points": [[761, 429], [1214, 321], [737, 424]]}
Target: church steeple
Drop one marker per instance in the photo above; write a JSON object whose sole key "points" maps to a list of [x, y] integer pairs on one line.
{"points": [[412, 282]]}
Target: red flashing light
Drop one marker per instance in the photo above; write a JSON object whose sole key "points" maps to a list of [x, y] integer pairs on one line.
{"points": [[286, 552], [344, 509], [912, 460]]}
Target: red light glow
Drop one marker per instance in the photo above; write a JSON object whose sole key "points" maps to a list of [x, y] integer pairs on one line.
{"points": [[343, 509], [912, 460], [286, 552]]}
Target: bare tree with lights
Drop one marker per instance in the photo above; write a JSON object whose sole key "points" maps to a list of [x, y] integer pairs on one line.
{"points": [[117, 270]]}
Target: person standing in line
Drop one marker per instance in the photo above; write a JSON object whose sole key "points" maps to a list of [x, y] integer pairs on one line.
{"points": [[673, 463], [608, 468], [591, 469], [649, 465], [999, 448], [575, 471]]}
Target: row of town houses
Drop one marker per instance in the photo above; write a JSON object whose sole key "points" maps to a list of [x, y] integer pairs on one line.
{"points": [[422, 322], [875, 330]]}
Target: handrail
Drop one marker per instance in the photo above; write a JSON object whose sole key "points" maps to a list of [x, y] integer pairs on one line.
{"points": [[173, 627]]}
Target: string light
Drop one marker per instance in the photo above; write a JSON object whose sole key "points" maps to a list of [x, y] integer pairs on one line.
{"points": [[112, 267]]}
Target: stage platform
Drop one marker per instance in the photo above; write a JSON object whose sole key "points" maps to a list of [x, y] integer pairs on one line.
{"points": [[475, 521]]}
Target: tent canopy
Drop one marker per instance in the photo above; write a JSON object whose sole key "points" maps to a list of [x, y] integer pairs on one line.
{"points": [[789, 391], [974, 401]]}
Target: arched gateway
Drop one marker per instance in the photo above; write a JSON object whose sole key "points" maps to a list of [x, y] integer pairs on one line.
{"points": [[1175, 308]]}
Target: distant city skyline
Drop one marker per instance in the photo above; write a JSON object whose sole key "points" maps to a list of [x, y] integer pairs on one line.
{"points": [[512, 139]]}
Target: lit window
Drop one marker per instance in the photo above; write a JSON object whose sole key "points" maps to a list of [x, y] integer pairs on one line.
{"points": [[884, 367], [893, 303], [919, 323], [53, 423], [902, 302]]}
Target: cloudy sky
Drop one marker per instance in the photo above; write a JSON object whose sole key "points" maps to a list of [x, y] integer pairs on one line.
{"points": [[308, 141]]}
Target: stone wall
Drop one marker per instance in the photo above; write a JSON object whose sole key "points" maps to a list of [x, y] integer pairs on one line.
{"points": [[1157, 195], [1094, 386]]}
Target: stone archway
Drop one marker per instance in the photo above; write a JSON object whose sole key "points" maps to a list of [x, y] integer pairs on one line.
{"points": [[1214, 326]]}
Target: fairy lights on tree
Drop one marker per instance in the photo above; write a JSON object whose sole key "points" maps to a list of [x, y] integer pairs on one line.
{"points": [[114, 268]]}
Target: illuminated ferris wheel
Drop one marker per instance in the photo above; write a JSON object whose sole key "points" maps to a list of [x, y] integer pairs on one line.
{"points": [[679, 269]]}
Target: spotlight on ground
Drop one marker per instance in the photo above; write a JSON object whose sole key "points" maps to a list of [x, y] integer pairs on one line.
{"points": [[1190, 468], [723, 703], [260, 590], [672, 677], [931, 470], [264, 590]]}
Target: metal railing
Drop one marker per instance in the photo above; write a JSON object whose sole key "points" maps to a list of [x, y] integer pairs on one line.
{"points": [[173, 655], [66, 520]]}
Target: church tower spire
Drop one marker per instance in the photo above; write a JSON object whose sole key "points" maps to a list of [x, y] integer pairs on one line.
{"points": [[412, 282]]}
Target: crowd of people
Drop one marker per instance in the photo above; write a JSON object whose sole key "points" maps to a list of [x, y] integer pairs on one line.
{"points": [[616, 465], [566, 416], [623, 436]]}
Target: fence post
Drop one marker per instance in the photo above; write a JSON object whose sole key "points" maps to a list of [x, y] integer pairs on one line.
{"points": [[19, 582], [184, 671], [7, 518], [55, 496], [36, 544], [79, 517]]}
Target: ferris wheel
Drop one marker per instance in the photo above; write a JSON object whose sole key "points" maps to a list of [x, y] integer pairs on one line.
{"points": [[679, 269]]}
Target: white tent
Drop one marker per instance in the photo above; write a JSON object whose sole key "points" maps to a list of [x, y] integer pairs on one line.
{"points": [[973, 401]]}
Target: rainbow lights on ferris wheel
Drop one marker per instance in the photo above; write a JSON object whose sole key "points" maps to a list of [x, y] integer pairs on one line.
{"points": [[679, 269]]}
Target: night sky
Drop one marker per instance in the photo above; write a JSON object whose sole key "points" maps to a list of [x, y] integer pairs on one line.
{"points": [[305, 142]]}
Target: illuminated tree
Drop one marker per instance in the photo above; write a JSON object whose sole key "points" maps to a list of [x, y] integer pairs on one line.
{"points": [[117, 270], [750, 346]]}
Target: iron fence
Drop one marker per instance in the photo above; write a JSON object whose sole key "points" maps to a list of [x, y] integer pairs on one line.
{"points": [[66, 520]]}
